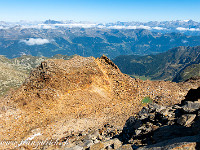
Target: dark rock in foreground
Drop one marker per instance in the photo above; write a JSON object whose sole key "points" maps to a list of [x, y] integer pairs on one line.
{"points": [[172, 127], [155, 127]]}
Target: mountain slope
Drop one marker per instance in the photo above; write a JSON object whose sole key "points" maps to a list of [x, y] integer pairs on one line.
{"points": [[61, 96], [11, 75], [164, 66], [15, 71], [188, 72], [89, 42]]}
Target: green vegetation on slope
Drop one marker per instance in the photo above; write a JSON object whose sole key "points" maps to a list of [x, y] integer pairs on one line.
{"points": [[163, 66], [146, 100], [190, 71]]}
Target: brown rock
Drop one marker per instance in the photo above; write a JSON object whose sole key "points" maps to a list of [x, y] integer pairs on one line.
{"points": [[75, 95], [98, 146], [186, 146], [125, 147], [186, 119]]}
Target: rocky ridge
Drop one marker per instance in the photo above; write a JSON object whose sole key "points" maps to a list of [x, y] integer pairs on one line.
{"points": [[171, 127], [15, 71], [62, 98]]}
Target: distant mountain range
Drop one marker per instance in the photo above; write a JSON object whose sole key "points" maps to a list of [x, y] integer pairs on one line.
{"points": [[51, 37], [177, 64], [16, 41], [186, 26]]}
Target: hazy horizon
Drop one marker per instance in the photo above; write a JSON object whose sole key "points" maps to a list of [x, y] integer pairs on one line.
{"points": [[41, 21]]}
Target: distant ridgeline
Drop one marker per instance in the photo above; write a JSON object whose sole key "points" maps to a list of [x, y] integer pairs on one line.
{"points": [[177, 64], [89, 42]]}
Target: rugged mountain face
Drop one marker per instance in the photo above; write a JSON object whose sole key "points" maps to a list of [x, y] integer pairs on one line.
{"points": [[89, 42], [15, 71], [11, 75], [174, 127], [164, 66], [62, 96]]}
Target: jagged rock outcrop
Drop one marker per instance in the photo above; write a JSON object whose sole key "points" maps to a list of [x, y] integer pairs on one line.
{"points": [[62, 97], [160, 127]]}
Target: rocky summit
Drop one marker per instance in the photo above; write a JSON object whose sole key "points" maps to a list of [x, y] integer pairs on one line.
{"points": [[85, 103]]}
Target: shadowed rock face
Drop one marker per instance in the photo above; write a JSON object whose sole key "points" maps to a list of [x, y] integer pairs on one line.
{"points": [[61, 96], [166, 127], [193, 95]]}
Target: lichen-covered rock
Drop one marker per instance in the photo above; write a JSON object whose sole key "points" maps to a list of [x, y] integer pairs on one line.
{"points": [[125, 147], [98, 146], [186, 119], [191, 106]]}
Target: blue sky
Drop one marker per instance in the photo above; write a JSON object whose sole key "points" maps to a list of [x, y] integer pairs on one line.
{"points": [[100, 10]]}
